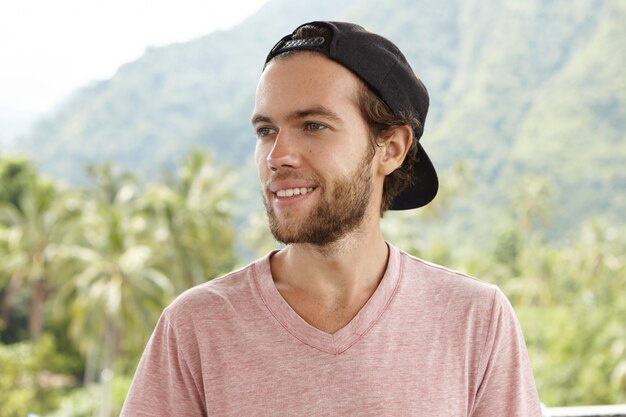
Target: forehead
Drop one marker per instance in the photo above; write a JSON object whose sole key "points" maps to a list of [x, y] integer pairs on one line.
{"points": [[305, 79]]}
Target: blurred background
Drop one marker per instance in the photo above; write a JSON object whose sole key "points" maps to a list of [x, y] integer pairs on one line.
{"points": [[126, 175]]}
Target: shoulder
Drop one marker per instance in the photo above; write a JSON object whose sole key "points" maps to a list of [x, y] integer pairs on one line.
{"points": [[450, 296], [468, 307], [216, 299], [433, 277]]}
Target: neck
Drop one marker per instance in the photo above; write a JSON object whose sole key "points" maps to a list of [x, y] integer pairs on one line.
{"points": [[352, 265]]}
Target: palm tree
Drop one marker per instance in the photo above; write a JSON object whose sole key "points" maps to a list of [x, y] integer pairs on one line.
{"points": [[190, 217], [114, 292], [32, 231], [136, 251]]}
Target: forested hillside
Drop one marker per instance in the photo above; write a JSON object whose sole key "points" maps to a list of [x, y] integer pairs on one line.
{"points": [[519, 90]]}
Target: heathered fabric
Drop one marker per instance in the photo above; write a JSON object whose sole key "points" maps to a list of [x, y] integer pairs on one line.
{"points": [[429, 342]]}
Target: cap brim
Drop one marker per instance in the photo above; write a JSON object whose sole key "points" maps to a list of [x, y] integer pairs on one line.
{"points": [[424, 187]]}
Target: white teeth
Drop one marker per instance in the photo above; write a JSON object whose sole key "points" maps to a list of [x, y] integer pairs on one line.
{"points": [[293, 191]]}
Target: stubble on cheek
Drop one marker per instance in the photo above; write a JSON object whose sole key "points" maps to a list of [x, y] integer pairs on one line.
{"points": [[333, 216]]}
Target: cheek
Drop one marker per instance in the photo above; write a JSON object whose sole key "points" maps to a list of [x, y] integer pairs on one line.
{"points": [[260, 156]]}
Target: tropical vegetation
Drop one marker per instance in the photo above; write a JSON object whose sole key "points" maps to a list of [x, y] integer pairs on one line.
{"points": [[87, 271]]}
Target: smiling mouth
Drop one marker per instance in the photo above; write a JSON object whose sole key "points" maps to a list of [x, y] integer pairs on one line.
{"points": [[290, 192]]}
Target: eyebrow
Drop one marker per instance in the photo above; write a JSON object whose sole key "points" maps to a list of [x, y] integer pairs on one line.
{"points": [[319, 111]]}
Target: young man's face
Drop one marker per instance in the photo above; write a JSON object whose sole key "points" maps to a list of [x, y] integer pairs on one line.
{"points": [[313, 152]]}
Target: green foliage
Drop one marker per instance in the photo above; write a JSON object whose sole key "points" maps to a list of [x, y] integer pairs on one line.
{"points": [[189, 216], [569, 301], [31, 229], [32, 378], [15, 174], [86, 401], [96, 267], [577, 353]]}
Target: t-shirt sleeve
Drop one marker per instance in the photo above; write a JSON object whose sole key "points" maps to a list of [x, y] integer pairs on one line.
{"points": [[164, 384], [507, 388]]}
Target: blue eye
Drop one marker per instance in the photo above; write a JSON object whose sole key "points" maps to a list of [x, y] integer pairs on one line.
{"points": [[314, 126], [262, 132]]}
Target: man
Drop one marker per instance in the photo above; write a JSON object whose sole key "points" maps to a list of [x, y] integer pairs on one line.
{"points": [[339, 322]]}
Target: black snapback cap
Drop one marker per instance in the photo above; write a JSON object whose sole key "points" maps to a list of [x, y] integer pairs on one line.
{"points": [[385, 70]]}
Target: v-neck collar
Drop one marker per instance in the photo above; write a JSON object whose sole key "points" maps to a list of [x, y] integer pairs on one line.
{"points": [[348, 335]]}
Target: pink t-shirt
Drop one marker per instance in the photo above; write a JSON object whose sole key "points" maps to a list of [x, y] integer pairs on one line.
{"points": [[429, 342]]}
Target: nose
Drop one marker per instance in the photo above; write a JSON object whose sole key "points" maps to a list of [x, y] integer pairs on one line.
{"points": [[283, 153]]}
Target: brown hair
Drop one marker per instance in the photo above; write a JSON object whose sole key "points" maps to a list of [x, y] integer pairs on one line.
{"points": [[381, 120]]}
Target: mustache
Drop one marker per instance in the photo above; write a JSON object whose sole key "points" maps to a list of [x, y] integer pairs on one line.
{"points": [[314, 179]]}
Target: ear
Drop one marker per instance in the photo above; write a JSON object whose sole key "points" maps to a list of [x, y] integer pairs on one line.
{"points": [[394, 145]]}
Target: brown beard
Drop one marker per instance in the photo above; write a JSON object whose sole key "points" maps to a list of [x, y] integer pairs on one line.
{"points": [[334, 216]]}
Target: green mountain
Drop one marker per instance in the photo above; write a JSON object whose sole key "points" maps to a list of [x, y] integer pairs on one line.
{"points": [[519, 90]]}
